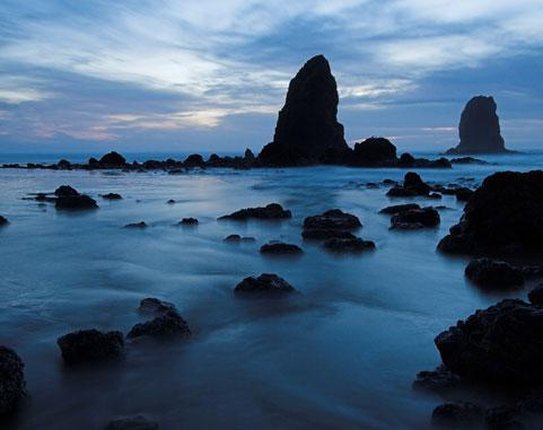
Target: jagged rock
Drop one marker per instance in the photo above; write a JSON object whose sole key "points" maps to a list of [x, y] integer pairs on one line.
{"points": [[334, 219], [501, 345], [479, 128], [3, 221], [138, 422], [503, 216], [188, 221], [355, 244], [439, 380], [536, 296], [412, 186], [414, 219], [266, 284], [271, 211], [373, 152], [169, 324], [458, 415], [141, 224], [494, 274], [90, 346], [12, 380], [194, 160], [112, 196], [278, 248], [155, 306], [394, 209], [307, 130], [112, 159]]}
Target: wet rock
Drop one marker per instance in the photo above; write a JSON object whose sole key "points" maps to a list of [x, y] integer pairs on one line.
{"points": [[112, 159], [463, 194], [236, 238], [394, 209], [188, 221], [373, 152], [458, 415], [66, 191], [194, 160], [439, 380], [504, 216], [137, 422], [536, 296], [501, 345], [503, 418], [141, 224], [112, 196], [326, 233], [12, 381], [3, 221], [266, 284], [168, 325], [152, 305], [78, 202], [479, 128], [278, 248], [356, 244], [494, 274], [307, 130], [414, 219], [248, 156], [435, 196], [412, 186], [269, 212], [91, 346], [334, 219]]}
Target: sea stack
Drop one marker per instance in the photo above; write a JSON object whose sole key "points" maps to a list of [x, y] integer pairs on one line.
{"points": [[307, 130], [479, 128]]}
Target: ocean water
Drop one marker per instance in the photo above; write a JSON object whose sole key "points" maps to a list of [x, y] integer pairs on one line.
{"points": [[342, 354]]}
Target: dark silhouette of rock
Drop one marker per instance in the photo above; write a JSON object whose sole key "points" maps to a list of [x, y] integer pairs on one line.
{"points": [[406, 160], [112, 196], [236, 238], [326, 233], [463, 194], [439, 380], [66, 191], [152, 305], [75, 202], [307, 130], [412, 186], [194, 160], [334, 219], [458, 415], [141, 224], [137, 422], [112, 159], [171, 202], [12, 380], [479, 128], [188, 221], [249, 156], [348, 245], [3, 221], [468, 160], [503, 418], [503, 216], [91, 346], [394, 209], [64, 165], [271, 211], [494, 274], [266, 284], [278, 248], [536, 296], [414, 219], [373, 152], [168, 325], [501, 345]]}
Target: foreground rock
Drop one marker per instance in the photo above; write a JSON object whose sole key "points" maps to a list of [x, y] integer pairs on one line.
{"points": [[307, 130], [413, 186], [266, 284], [479, 128], [458, 415], [348, 245], [269, 212], [168, 325], [414, 219], [504, 216], [494, 274], [68, 198], [12, 381], [280, 248], [138, 422], [91, 346], [3, 221]]}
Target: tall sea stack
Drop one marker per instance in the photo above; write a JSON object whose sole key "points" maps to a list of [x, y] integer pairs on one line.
{"points": [[479, 128], [307, 130]]}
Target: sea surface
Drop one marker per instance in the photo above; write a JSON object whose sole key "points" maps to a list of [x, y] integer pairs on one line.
{"points": [[341, 355]]}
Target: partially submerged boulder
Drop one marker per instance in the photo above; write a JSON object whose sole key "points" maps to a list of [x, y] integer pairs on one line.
{"points": [[194, 160], [373, 152], [348, 245], [112, 159], [394, 209], [413, 186], [236, 238], [266, 284], [152, 305], [3, 221], [136, 225], [280, 248], [91, 346], [414, 219], [334, 219], [168, 325], [112, 196], [12, 381], [494, 274], [271, 211], [188, 221]]}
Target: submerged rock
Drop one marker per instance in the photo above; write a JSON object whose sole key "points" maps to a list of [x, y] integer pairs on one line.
{"points": [[155, 306], [307, 130], [503, 216], [266, 284], [494, 274], [269, 212], [373, 152], [414, 219], [468, 160], [137, 422], [169, 324], [90, 346], [479, 128], [12, 380], [278, 248], [412, 186], [355, 244], [141, 224], [68, 198], [188, 221], [458, 415], [112, 196], [394, 209], [326, 233], [334, 219]]}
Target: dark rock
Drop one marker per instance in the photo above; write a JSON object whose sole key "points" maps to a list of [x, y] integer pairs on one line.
{"points": [[503, 216], [406, 160], [439, 380], [112, 196], [78, 202], [194, 160], [277, 248], [307, 130], [479, 128], [494, 274], [468, 160], [141, 224], [12, 380], [89, 346], [93, 163], [112, 159], [501, 345], [463, 194], [171, 202], [389, 182], [236, 238], [334, 219], [138, 422], [64, 165], [188, 221], [412, 186], [458, 415], [3, 221], [66, 191], [176, 171], [355, 244], [435, 196], [536, 296], [249, 156], [265, 284], [503, 418], [415, 219], [155, 306], [326, 233], [168, 325], [271, 211], [394, 209], [373, 152]]}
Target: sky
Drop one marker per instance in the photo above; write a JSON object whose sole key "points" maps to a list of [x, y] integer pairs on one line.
{"points": [[209, 75]]}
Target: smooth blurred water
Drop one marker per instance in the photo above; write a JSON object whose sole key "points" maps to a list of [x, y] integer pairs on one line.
{"points": [[342, 354]]}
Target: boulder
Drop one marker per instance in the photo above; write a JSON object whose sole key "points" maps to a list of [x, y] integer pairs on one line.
{"points": [[137, 422], [79, 202], [168, 325], [414, 219], [356, 244], [3, 221], [463, 194], [12, 380], [412, 186], [91, 346], [194, 160], [494, 274], [271, 211], [66, 191], [326, 233], [458, 415], [307, 130], [266, 284], [503, 217], [278, 248], [373, 152], [334, 219], [152, 305], [236, 238], [468, 160], [112, 196], [394, 209], [188, 221], [479, 128], [112, 159], [64, 165]]}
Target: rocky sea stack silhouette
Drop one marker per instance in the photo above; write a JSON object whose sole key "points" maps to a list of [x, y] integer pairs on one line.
{"points": [[307, 130], [479, 128]]}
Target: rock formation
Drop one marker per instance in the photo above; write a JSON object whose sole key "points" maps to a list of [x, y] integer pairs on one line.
{"points": [[270, 212], [373, 152], [12, 380], [91, 346], [307, 130], [479, 128], [266, 284]]}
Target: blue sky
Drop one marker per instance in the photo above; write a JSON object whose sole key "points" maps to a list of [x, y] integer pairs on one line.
{"points": [[167, 75]]}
